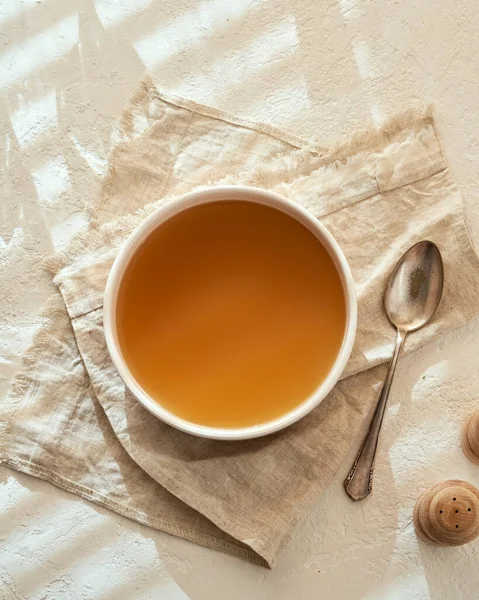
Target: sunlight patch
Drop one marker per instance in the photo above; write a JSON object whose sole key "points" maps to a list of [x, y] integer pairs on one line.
{"points": [[51, 180], [187, 29], [274, 45], [113, 12], [362, 55], [23, 59], [97, 164], [347, 7], [15, 241], [12, 8], [380, 353], [62, 233], [33, 119]]}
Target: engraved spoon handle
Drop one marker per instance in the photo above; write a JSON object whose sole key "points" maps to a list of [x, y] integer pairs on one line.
{"points": [[359, 482]]}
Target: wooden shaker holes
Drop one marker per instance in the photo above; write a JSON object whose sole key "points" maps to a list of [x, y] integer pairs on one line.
{"points": [[444, 514]]}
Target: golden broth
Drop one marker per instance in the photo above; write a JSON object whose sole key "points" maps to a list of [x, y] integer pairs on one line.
{"points": [[230, 314]]}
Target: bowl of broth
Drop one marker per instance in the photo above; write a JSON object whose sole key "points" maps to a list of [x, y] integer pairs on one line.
{"points": [[230, 312]]}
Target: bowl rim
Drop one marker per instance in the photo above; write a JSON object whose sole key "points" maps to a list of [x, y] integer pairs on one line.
{"points": [[215, 194]]}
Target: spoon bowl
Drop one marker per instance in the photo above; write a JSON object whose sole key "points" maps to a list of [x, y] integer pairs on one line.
{"points": [[415, 287]]}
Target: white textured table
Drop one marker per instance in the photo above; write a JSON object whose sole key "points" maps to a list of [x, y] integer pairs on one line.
{"points": [[320, 69]]}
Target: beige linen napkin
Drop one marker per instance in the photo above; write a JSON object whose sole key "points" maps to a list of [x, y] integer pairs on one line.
{"points": [[69, 418]]}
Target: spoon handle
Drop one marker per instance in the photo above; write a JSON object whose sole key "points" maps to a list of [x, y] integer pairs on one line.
{"points": [[359, 482]]}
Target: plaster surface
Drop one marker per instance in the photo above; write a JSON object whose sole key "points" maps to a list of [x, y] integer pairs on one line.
{"points": [[321, 70]]}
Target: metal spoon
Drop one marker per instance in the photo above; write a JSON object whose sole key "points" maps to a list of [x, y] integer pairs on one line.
{"points": [[412, 296]]}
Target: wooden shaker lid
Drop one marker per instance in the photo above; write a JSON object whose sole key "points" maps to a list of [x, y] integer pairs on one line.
{"points": [[470, 437], [448, 514]]}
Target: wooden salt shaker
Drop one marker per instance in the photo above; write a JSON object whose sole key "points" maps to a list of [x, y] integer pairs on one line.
{"points": [[448, 514], [470, 437]]}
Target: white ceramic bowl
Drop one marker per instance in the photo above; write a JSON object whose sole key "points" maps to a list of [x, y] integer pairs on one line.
{"points": [[213, 194]]}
